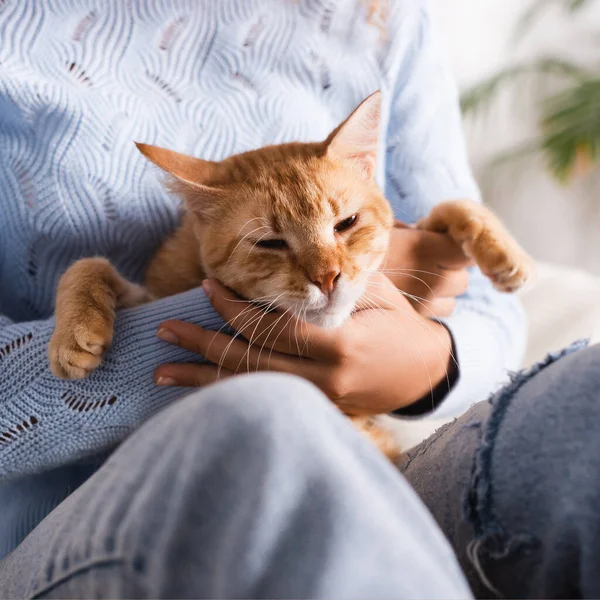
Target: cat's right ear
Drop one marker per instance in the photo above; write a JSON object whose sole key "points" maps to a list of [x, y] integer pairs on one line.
{"points": [[191, 176]]}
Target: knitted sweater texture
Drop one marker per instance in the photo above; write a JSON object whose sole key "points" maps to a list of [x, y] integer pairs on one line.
{"points": [[81, 80]]}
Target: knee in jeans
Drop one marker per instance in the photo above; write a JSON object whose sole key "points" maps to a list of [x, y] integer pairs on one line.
{"points": [[261, 401]]}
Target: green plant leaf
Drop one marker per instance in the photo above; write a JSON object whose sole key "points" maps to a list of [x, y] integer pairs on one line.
{"points": [[570, 127], [483, 94], [574, 5]]}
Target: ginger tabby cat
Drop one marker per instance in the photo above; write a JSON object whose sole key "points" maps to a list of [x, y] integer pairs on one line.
{"points": [[299, 225]]}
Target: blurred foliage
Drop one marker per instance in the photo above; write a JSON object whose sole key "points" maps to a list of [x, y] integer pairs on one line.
{"points": [[569, 120]]}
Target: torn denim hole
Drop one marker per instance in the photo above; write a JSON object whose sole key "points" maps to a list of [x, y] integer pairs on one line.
{"points": [[491, 541]]}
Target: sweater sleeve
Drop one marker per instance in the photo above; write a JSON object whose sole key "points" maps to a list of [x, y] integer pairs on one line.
{"points": [[427, 163], [46, 422]]}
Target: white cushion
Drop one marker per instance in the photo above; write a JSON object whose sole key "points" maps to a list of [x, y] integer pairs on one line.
{"points": [[562, 305]]}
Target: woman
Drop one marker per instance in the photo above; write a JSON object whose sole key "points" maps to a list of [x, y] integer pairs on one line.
{"points": [[255, 486]]}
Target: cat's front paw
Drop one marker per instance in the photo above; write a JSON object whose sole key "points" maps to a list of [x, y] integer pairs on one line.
{"points": [[77, 346], [496, 253], [508, 268], [483, 237]]}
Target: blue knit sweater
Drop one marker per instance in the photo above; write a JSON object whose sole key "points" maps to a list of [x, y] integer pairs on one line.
{"points": [[80, 81]]}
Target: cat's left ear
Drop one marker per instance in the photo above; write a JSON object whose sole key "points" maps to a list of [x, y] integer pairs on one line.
{"points": [[356, 140]]}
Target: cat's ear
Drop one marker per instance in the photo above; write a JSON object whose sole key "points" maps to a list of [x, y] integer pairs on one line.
{"points": [[191, 176], [193, 171], [356, 140]]}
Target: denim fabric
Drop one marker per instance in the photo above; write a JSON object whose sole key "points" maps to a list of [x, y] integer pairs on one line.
{"points": [[515, 483], [256, 487]]}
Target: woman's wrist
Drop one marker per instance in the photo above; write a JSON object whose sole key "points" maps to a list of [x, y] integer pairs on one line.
{"points": [[434, 372]]}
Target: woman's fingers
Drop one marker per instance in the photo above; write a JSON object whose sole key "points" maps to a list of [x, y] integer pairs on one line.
{"points": [[232, 352], [189, 375], [440, 251], [431, 285]]}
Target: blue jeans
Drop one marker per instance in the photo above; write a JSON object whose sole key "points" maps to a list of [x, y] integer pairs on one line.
{"points": [[258, 487]]}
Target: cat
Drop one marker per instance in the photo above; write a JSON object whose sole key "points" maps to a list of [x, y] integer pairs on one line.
{"points": [[301, 222]]}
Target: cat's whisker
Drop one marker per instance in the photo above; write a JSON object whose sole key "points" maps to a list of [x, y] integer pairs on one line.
{"points": [[250, 221], [411, 316], [291, 316], [273, 326], [252, 335], [257, 299], [421, 302], [267, 334], [444, 363], [409, 271], [413, 344], [375, 306], [262, 237], [238, 333], [256, 319], [226, 324], [296, 330], [252, 307], [304, 323], [368, 312], [251, 343], [420, 299], [423, 282], [241, 241]]}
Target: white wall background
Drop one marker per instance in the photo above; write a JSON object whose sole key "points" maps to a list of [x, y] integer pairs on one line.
{"points": [[555, 223]]}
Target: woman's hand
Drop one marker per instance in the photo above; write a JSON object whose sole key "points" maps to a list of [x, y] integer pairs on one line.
{"points": [[429, 267], [385, 357]]}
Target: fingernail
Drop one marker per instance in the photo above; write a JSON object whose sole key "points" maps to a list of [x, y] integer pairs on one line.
{"points": [[167, 336], [207, 287], [166, 381]]}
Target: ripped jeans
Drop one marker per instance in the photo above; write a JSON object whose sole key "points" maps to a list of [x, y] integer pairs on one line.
{"points": [[515, 482], [257, 487]]}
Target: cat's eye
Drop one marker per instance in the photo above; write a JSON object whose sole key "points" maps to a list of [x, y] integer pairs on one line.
{"points": [[273, 244], [346, 224]]}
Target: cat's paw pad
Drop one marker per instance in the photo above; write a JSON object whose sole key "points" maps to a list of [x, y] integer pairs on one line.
{"points": [[75, 351], [506, 265]]}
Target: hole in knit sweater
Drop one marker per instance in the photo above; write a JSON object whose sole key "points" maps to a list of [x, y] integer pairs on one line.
{"points": [[83, 26], [79, 74], [11, 433], [171, 33], [322, 68], [254, 32], [14, 345], [77, 403], [164, 86], [243, 80]]}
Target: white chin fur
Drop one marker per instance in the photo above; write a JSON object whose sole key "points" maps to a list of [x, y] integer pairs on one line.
{"points": [[328, 319], [327, 314]]}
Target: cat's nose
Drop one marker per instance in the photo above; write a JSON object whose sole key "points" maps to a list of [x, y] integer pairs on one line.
{"points": [[327, 281]]}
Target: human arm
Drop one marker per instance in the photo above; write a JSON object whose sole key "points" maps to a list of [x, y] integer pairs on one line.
{"points": [[69, 420], [426, 163], [384, 357]]}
